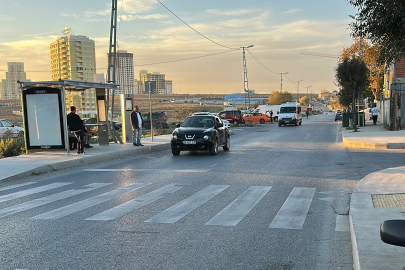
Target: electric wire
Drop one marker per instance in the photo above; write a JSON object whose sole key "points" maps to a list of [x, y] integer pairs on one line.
{"points": [[261, 63], [193, 28]]}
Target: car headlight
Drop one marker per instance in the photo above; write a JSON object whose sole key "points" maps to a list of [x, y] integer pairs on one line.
{"points": [[206, 138], [174, 136]]}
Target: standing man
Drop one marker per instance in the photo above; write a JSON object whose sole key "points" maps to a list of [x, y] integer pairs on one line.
{"points": [[271, 116], [75, 125], [375, 112], [137, 123]]}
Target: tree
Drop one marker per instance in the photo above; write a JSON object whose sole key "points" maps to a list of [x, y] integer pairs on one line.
{"points": [[382, 21], [277, 98], [304, 100], [352, 75], [370, 54]]}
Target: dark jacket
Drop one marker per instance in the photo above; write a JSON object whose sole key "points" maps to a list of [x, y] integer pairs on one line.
{"points": [[134, 120], [74, 122]]}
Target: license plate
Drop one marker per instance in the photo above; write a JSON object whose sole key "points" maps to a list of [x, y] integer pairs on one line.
{"points": [[188, 142], [287, 122]]}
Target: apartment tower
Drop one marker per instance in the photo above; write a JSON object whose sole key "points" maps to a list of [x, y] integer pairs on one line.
{"points": [[9, 86], [124, 72], [74, 58]]}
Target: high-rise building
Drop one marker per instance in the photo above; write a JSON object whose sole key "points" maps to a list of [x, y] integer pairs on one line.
{"points": [[74, 58], [160, 79], [124, 72], [9, 86], [169, 87]]}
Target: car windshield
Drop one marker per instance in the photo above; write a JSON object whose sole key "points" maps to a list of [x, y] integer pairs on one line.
{"points": [[288, 109], [202, 122]]}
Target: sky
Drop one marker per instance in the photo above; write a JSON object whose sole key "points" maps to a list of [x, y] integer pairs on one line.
{"points": [[279, 31]]}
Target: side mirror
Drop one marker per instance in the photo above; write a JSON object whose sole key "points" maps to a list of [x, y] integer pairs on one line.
{"points": [[393, 232], [278, 112], [220, 124], [178, 125]]}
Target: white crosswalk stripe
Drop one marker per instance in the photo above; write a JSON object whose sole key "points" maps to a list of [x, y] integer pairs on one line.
{"points": [[31, 191], [291, 215], [178, 211], [128, 207], [75, 207], [294, 210], [49, 199], [240, 207]]}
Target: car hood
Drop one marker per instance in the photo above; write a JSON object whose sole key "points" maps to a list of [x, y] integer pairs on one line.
{"points": [[193, 130]]}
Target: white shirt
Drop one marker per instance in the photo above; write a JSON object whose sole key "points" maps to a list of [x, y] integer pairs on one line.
{"points": [[375, 111], [139, 120]]}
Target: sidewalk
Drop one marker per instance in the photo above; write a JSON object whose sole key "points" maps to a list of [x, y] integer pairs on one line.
{"points": [[54, 160], [378, 197]]}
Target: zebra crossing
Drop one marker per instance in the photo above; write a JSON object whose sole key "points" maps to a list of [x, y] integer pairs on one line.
{"points": [[291, 215]]}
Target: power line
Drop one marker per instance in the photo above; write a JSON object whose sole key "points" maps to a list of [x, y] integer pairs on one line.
{"points": [[261, 63], [193, 28]]}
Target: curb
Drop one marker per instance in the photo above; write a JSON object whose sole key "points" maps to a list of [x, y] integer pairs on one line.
{"points": [[89, 159], [368, 145]]}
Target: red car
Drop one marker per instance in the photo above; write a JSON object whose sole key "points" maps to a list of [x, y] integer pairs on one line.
{"points": [[235, 116]]}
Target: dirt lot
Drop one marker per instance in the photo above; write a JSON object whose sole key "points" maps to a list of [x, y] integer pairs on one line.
{"points": [[176, 111]]}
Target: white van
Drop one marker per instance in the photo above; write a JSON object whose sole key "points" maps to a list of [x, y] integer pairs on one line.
{"points": [[267, 108], [290, 113]]}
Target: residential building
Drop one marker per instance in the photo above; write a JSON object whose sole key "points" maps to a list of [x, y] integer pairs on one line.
{"points": [[74, 58], [10, 89], [169, 87], [391, 100], [124, 72], [160, 79]]}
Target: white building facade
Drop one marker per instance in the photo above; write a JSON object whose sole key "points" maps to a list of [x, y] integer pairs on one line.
{"points": [[9, 86]]}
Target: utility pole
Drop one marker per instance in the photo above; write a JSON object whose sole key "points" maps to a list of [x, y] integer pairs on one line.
{"points": [[245, 77], [112, 58], [298, 90], [281, 88]]}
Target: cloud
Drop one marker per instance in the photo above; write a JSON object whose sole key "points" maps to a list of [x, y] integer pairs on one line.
{"points": [[232, 12], [142, 17], [137, 6], [291, 11], [4, 18]]}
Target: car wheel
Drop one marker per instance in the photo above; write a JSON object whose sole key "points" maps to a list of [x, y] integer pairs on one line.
{"points": [[175, 152], [300, 123], [236, 123], [261, 121], [214, 149], [279, 124], [21, 134], [228, 143], [296, 123]]}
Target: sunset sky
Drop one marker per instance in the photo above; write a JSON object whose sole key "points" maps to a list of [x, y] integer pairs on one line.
{"points": [[279, 31]]}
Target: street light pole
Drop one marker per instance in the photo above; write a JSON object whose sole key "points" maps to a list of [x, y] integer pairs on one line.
{"points": [[245, 77]]}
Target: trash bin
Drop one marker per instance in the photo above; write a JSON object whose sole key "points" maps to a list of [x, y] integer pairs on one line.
{"points": [[360, 119]]}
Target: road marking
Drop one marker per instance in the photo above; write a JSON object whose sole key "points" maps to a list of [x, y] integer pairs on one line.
{"points": [[75, 207], [178, 211], [49, 199], [240, 207], [294, 210], [125, 208], [342, 223], [337, 133], [147, 170], [16, 186], [31, 191]]}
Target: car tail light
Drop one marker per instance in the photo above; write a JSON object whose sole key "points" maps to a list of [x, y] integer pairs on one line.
{"points": [[164, 118]]}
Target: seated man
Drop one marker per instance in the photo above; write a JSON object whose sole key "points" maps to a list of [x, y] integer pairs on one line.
{"points": [[75, 125], [209, 123], [87, 136]]}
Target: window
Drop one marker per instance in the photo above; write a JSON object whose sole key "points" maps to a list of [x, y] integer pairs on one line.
{"points": [[229, 113]]}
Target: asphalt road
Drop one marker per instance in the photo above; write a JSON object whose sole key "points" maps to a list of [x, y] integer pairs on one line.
{"points": [[278, 199]]}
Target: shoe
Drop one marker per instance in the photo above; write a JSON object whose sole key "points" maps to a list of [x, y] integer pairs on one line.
{"points": [[135, 144], [80, 152], [88, 146], [139, 144]]}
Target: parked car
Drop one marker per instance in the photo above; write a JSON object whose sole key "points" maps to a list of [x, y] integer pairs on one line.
{"points": [[9, 129], [256, 118], [159, 120], [117, 125], [227, 124], [235, 116], [200, 133], [338, 116]]}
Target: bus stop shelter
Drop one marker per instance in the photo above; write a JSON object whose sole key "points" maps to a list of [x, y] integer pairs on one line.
{"points": [[44, 111]]}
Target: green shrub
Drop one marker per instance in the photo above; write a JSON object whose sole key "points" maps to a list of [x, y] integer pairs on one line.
{"points": [[10, 147]]}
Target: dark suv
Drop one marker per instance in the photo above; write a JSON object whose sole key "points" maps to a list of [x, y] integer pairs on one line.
{"points": [[235, 117], [117, 125], [159, 120], [200, 133]]}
